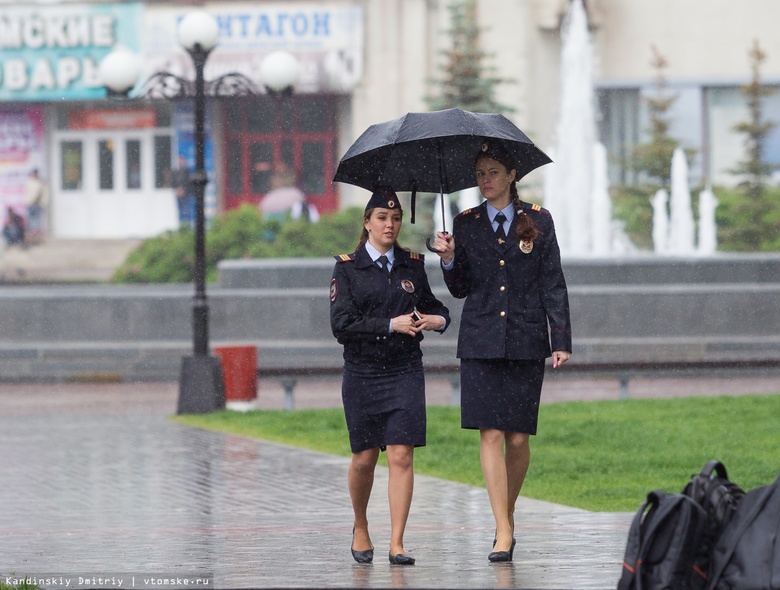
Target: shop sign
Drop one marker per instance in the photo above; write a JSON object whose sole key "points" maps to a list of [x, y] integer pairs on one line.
{"points": [[326, 38], [53, 52]]}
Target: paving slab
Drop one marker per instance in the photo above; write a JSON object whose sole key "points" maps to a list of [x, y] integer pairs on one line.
{"points": [[101, 486]]}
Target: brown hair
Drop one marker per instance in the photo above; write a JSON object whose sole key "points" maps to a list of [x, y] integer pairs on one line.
{"points": [[364, 234], [525, 228]]}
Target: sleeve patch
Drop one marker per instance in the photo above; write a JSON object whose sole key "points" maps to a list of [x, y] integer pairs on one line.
{"points": [[334, 290]]}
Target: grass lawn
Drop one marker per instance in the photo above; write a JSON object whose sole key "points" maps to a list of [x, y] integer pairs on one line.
{"points": [[596, 455]]}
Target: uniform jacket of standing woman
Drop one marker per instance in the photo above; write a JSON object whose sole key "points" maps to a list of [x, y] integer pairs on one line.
{"points": [[511, 295], [364, 298]]}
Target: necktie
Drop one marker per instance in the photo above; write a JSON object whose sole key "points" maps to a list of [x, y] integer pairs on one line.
{"points": [[384, 262], [500, 218]]}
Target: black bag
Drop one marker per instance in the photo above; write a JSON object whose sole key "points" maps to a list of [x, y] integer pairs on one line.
{"points": [[747, 554], [662, 544], [719, 497]]}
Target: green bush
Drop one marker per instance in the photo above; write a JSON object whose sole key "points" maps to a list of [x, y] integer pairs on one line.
{"points": [[239, 233]]}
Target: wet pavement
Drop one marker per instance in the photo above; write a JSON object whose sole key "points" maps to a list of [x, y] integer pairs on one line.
{"points": [[100, 487]]}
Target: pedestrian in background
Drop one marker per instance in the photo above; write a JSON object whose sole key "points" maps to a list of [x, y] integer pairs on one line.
{"points": [[185, 196], [503, 258], [380, 303]]}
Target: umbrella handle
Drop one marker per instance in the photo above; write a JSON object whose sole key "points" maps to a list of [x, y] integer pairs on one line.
{"points": [[428, 243]]}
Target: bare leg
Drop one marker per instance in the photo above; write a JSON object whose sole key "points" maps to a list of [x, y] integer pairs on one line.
{"points": [[360, 480], [400, 486], [518, 457], [491, 455]]}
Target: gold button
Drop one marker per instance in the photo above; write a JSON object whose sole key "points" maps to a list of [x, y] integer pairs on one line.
{"points": [[502, 288], [502, 314], [501, 263]]}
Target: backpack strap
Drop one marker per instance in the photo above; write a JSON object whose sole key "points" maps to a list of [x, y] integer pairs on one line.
{"points": [[743, 526], [714, 465]]}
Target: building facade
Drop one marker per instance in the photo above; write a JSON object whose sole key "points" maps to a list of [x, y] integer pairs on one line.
{"points": [[109, 163]]}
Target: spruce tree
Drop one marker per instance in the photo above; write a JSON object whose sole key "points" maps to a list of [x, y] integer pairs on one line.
{"points": [[654, 157], [467, 81], [759, 220]]}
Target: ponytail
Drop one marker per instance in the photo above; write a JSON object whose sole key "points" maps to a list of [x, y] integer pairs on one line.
{"points": [[525, 228]]}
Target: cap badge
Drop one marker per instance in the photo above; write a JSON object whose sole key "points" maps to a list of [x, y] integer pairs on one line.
{"points": [[390, 204], [485, 146]]}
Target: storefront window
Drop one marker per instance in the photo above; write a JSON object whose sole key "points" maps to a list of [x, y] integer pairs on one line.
{"points": [[133, 164], [261, 157], [72, 165], [235, 171], [162, 161], [282, 135], [313, 156], [106, 164]]}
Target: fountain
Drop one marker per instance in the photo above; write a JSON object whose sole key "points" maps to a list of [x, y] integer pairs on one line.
{"points": [[673, 223], [708, 240], [681, 225], [576, 189]]}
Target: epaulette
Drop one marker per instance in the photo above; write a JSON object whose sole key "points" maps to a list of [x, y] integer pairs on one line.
{"points": [[416, 256], [345, 258], [466, 212], [538, 208]]}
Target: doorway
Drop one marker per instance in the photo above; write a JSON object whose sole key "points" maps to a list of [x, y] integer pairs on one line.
{"points": [[112, 184]]}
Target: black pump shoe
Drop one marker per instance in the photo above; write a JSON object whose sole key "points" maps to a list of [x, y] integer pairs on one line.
{"points": [[366, 556], [401, 559], [499, 556]]}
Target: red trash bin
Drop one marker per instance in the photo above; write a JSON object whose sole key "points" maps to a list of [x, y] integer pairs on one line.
{"points": [[239, 371]]}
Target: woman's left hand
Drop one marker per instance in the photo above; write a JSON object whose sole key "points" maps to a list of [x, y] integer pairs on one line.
{"points": [[429, 322], [559, 357]]}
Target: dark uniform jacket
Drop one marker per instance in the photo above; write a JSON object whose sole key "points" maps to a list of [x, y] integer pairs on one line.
{"points": [[363, 299], [510, 296]]}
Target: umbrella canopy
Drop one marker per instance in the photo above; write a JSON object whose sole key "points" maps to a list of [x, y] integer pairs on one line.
{"points": [[432, 152]]}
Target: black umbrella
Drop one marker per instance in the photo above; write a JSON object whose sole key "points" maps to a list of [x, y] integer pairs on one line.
{"points": [[432, 152]]}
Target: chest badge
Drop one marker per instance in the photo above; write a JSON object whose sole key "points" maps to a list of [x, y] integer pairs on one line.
{"points": [[407, 286], [526, 246]]}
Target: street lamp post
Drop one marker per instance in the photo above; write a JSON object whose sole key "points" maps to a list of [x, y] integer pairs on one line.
{"points": [[200, 384]]}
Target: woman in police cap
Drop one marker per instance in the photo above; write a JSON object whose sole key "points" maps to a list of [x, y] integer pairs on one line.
{"points": [[503, 258], [380, 303]]}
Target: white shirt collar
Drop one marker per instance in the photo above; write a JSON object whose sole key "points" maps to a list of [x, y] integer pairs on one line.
{"points": [[375, 254], [508, 211]]}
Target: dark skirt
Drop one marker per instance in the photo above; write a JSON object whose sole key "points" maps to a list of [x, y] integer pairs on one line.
{"points": [[384, 406], [501, 394]]}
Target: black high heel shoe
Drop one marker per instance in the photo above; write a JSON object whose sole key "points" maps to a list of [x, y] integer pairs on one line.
{"points": [[498, 556], [401, 559], [366, 556]]}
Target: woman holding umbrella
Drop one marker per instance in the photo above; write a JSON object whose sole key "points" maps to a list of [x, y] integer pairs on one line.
{"points": [[380, 303], [503, 258]]}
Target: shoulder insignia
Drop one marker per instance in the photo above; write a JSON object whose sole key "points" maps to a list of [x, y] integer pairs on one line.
{"points": [[416, 256], [536, 207], [345, 258]]}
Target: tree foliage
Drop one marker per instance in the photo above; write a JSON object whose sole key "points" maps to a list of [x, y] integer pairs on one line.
{"points": [[654, 157], [757, 210], [468, 81]]}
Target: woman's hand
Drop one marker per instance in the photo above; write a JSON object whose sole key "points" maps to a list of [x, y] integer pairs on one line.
{"points": [[430, 322], [444, 244], [405, 324], [559, 357]]}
